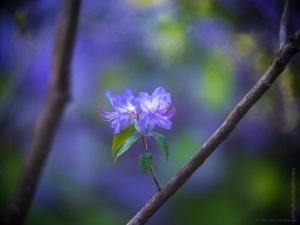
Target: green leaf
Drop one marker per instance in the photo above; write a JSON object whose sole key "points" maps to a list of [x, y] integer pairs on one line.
{"points": [[161, 143], [145, 162], [120, 138], [125, 146]]}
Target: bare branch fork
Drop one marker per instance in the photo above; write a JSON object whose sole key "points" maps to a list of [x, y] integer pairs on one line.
{"points": [[277, 66], [57, 97]]}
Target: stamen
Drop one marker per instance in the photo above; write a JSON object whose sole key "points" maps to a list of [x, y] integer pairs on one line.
{"points": [[106, 116]]}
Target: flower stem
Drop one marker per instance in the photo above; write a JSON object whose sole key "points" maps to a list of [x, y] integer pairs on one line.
{"points": [[144, 142], [154, 177], [152, 170]]}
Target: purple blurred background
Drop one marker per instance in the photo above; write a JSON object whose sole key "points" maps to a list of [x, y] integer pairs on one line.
{"points": [[208, 55]]}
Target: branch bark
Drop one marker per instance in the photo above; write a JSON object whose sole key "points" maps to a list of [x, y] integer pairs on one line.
{"points": [[283, 23], [277, 66], [57, 97]]}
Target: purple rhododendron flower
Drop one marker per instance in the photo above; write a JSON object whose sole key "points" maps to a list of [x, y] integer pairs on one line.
{"points": [[126, 109], [156, 109], [147, 110]]}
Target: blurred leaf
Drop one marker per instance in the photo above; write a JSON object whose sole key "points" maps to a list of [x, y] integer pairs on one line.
{"points": [[20, 19], [186, 140], [126, 146], [120, 138], [250, 191], [10, 165], [115, 78], [4, 84], [217, 80], [146, 3], [170, 40], [196, 8], [260, 180], [187, 209], [88, 215], [161, 143], [145, 162]]}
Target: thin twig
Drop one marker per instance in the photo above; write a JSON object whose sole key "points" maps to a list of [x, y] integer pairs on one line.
{"points": [[277, 66], [155, 180], [283, 24], [279, 92], [57, 97], [152, 170]]}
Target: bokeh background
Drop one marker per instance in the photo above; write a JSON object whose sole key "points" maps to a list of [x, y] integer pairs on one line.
{"points": [[207, 54]]}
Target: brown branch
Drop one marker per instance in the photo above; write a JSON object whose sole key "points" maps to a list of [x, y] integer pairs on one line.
{"points": [[57, 97], [283, 24], [277, 66]]}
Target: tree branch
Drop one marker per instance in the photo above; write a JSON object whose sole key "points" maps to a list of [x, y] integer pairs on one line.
{"points": [[57, 97], [283, 24], [276, 67]]}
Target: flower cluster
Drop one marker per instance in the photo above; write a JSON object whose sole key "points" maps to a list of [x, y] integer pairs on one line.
{"points": [[145, 109]]}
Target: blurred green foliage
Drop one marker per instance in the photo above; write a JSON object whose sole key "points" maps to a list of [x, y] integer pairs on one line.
{"points": [[207, 54], [255, 186]]}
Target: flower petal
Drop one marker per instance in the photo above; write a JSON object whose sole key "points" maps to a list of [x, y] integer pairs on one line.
{"points": [[165, 102], [113, 99], [124, 101], [143, 122], [116, 125], [156, 109], [163, 122], [157, 94], [126, 108], [145, 101]]}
